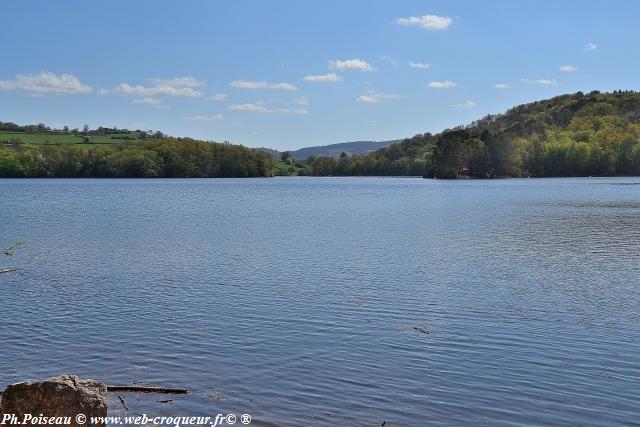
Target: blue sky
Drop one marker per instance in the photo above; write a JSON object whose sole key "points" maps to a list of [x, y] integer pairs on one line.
{"points": [[289, 74]]}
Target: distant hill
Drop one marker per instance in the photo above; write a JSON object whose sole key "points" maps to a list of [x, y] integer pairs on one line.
{"points": [[334, 150]]}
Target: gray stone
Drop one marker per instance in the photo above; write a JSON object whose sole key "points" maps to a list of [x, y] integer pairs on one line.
{"points": [[63, 396]]}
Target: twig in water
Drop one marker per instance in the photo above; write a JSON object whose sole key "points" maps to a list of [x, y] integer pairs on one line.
{"points": [[420, 329], [124, 402]]}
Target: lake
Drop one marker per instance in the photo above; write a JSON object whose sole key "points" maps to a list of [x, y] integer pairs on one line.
{"points": [[333, 301]]}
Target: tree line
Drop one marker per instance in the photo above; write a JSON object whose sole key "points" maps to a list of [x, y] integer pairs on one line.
{"points": [[41, 128], [168, 158]]}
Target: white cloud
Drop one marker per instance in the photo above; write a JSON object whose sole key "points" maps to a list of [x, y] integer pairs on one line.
{"points": [[303, 100], [219, 97], [373, 97], [151, 102], [429, 22], [502, 86], [256, 107], [249, 84], [445, 84], [259, 107], [243, 84], [568, 68], [216, 117], [331, 78], [420, 65], [180, 86], [102, 91], [45, 83], [544, 82], [283, 86], [590, 46], [466, 104], [351, 64]]}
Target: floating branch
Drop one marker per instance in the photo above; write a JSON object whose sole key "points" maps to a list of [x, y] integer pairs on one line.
{"points": [[143, 389]]}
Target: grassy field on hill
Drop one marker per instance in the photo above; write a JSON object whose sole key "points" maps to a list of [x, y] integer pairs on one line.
{"points": [[35, 139], [281, 168]]}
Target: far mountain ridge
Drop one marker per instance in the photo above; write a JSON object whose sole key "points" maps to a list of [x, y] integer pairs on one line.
{"points": [[334, 150]]}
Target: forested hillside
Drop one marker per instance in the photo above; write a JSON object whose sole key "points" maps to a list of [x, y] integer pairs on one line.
{"points": [[37, 151], [570, 135]]}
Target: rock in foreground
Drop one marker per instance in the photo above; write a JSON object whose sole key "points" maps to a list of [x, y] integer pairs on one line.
{"points": [[63, 396]]}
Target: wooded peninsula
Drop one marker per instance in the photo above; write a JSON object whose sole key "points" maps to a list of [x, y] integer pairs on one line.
{"points": [[593, 134]]}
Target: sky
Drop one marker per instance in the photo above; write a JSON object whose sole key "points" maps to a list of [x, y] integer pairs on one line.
{"points": [[288, 74]]}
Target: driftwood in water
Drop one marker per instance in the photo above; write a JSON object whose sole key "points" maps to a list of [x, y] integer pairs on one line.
{"points": [[143, 389]]}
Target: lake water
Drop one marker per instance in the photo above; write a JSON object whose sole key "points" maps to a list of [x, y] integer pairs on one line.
{"points": [[305, 301]]}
